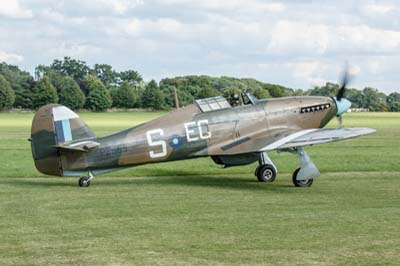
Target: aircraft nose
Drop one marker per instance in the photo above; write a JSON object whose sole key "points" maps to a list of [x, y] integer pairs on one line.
{"points": [[342, 105]]}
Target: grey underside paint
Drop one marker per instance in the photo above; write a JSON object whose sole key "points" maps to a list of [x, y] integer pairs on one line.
{"points": [[78, 173]]}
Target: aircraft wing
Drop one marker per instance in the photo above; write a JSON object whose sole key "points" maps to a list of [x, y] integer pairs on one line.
{"points": [[82, 146], [317, 136]]}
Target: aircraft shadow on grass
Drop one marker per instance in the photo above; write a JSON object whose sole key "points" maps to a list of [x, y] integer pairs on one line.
{"points": [[39, 182], [229, 183]]}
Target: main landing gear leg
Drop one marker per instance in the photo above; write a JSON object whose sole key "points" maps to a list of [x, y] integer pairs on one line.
{"points": [[85, 180], [266, 171], [304, 176]]}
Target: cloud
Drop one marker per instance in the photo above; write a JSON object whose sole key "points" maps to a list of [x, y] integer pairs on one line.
{"points": [[118, 6], [220, 5], [291, 37], [163, 26], [74, 50], [90, 8], [313, 72], [251, 5], [294, 38], [378, 9], [13, 9], [362, 38], [294, 43], [10, 57]]}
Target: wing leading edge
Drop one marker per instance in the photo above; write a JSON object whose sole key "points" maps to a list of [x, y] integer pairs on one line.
{"points": [[317, 136]]}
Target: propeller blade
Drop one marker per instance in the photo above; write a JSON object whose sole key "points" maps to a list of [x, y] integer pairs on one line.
{"points": [[343, 83], [340, 120]]}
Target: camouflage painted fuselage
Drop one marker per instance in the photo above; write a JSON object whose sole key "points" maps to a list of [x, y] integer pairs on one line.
{"points": [[182, 134]]}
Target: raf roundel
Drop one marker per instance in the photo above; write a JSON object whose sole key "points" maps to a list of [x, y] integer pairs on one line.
{"points": [[175, 141]]}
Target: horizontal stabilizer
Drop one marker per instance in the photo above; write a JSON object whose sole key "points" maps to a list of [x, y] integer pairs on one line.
{"points": [[82, 146]]}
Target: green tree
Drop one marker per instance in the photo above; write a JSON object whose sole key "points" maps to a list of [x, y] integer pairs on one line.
{"points": [[395, 96], [192, 89], [7, 96], [44, 93], [76, 69], [297, 92], [70, 94], [57, 79], [125, 96], [394, 107], [356, 98], [276, 90], [330, 89], [205, 86], [42, 71], [106, 74], [153, 97], [21, 82], [99, 98], [206, 92], [261, 93], [184, 97], [131, 76], [393, 102], [383, 107], [371, 99]]}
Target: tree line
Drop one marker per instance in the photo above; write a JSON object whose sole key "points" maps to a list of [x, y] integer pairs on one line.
{"points": [[73, 83]]}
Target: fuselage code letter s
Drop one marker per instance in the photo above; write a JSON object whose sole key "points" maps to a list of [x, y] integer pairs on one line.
{"points": [[154, 143], [202, 128]]}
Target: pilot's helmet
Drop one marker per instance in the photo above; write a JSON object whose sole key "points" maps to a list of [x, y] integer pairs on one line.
{"points": [[235, 97]]}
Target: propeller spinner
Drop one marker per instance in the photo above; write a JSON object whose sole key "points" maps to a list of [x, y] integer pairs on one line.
{"points": [[342, 103]]}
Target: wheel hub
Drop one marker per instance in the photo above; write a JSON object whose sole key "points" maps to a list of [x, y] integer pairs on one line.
{"points": [[268, 174]]}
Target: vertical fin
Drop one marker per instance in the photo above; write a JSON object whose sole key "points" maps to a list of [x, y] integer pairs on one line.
{"points": [[53, 125]]}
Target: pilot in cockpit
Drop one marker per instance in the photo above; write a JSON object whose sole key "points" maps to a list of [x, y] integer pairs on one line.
{"points": [[234, 99]]}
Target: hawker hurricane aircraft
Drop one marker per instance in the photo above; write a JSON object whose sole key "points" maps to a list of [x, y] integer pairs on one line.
{"points": [[63, 145]]}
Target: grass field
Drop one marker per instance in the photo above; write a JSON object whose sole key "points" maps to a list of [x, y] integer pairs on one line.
{"points": [[194, 213]]}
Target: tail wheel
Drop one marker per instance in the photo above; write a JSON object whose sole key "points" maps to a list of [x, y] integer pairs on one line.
{"points": [[301, 183], [266, 173], [84, 181]]}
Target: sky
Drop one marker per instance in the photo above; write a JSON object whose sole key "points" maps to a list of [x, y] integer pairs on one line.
{"points": [[298, 44]]}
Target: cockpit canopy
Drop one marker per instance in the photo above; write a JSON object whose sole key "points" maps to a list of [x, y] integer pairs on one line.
{"points": [[219, 102]]}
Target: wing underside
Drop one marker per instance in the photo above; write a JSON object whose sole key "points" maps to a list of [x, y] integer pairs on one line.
{"points": [[317, 136], [289, 138]]}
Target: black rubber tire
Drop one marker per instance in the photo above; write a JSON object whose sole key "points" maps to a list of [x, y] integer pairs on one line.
{"points": [[266, 173], [301, 183], [256, 171], [84, 181]]}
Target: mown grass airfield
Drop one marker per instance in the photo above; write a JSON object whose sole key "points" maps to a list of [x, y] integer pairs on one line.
{"points": [[195, 213]]}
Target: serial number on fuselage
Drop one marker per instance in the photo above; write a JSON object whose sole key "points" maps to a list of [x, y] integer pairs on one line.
{"points": [[107, 151]]}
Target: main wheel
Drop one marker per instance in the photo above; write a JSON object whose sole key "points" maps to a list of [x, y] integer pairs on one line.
{"points": [[257, 169], [266, 173], [301, 183], [84, 181]]}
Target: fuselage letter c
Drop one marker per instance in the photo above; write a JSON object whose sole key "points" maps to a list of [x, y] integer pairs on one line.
{"points": [[201, 124]]}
